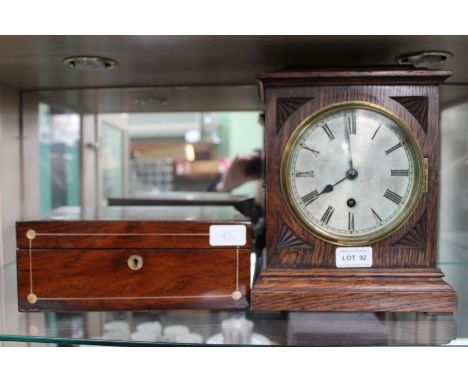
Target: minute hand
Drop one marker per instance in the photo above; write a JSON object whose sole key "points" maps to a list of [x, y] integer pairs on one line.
{"points": [[347, 128]]}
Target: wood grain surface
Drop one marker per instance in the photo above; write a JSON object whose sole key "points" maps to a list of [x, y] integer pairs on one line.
{"points": [[69, 280], [79, 260], [347, 292], [130, 227], [413, 96], [385, 254]]}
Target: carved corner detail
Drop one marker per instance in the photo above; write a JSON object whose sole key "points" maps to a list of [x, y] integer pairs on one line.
{"points": [[417, 106], [291, 250], [415, 237], [285, 106], [286, 238]]}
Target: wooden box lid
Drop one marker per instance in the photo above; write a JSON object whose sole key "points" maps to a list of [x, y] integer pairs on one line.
{"points": [[138, 227]]}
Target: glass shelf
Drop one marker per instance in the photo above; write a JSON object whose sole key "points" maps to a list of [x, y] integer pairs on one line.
{"points": [[285, 328]]}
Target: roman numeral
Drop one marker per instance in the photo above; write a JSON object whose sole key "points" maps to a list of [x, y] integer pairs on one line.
{"points": [[392, 149], [327, 215], [390, 195], [350, 221], [351, 123], [376, 131], [399, 172], [304, 174], [327, 130], [315, 152], [310, 197], [377, 218]]}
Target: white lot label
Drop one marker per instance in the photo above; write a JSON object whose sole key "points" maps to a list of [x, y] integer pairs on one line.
{"points": [[228, 235], [353, 257]]}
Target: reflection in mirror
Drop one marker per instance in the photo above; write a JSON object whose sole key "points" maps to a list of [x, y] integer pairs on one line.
{"points": [[187, 151], [112, 154]]}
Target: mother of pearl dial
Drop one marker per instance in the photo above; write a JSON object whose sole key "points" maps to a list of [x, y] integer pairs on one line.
{"points": [[352, 173]]}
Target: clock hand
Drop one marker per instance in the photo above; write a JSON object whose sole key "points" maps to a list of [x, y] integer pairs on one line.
{"points": [[330, 187], [351, 174], [347, 127]]}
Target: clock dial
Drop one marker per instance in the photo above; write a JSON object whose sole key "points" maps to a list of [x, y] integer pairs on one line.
{"points": [[352, 174]]}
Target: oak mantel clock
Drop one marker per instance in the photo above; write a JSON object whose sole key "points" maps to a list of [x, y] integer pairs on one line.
{"points": [[352, 161]]}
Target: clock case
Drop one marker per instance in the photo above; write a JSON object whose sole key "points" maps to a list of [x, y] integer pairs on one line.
{"points": [[300, 272]]}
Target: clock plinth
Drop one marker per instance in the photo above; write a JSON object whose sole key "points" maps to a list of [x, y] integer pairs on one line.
{"points": [[351, 160], [384, 290]]}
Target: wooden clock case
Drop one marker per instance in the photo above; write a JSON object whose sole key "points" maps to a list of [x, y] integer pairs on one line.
{"points": [[301, 272]]}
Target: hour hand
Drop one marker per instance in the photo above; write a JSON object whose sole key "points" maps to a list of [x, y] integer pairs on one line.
{"points": [[330, 187]]}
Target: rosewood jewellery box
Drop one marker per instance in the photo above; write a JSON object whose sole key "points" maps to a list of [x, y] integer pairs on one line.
{"points": [[134, 258]]}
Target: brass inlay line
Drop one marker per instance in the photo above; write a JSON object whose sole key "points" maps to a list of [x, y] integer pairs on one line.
{"points": [[122, 234], [32, 298], [30, 267], [237, 294], [133, 298], [237, 268]]}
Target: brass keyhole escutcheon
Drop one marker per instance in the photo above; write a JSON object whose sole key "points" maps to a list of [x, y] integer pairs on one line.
{"points": [[135, 262]]}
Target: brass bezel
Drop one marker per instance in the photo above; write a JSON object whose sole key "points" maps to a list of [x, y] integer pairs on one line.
{"points": [[363, 239]]}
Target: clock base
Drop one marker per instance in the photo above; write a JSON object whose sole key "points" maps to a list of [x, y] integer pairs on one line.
{"points": [[354, 290]]}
